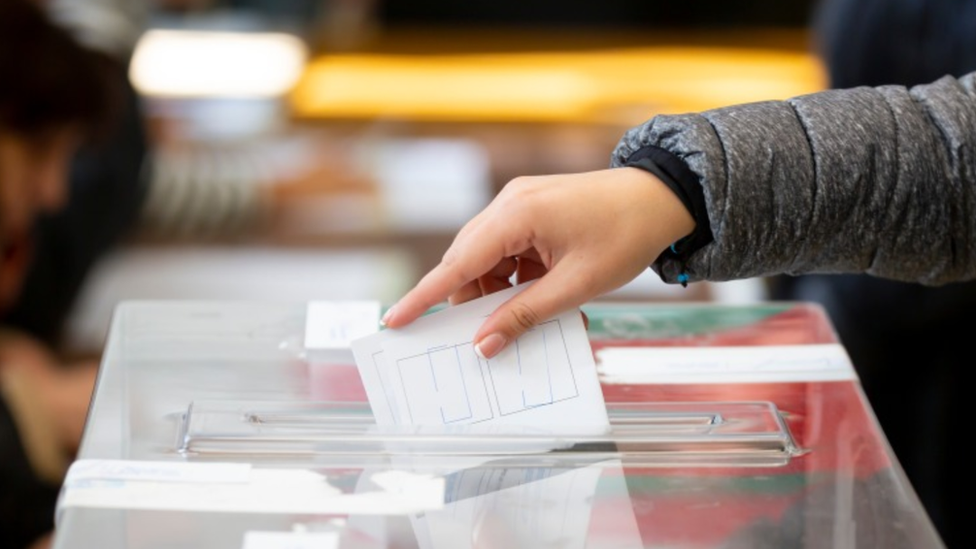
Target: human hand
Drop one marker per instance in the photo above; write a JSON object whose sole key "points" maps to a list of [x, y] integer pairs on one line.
{"points": [[581, 235]]}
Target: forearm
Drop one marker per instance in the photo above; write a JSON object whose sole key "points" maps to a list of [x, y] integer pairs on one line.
{"points": [[880, 180]]}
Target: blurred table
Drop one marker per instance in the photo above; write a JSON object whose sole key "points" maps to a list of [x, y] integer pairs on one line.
{"points": [[733, 426]]}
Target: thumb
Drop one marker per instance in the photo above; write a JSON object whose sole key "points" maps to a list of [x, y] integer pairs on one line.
{"points": [[547, 297]]}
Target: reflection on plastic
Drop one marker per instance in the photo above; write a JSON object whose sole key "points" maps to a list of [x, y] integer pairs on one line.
{"points": [[496, 506]]}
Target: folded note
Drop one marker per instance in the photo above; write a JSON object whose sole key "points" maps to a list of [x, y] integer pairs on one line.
{"points": [[428, 373]]}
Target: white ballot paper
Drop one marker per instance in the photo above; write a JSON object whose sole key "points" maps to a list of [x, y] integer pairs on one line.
{"points": [[428, 373], [330, 327]]}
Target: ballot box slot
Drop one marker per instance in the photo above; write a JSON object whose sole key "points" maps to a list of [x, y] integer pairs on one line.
{"points": [[673, 434]]}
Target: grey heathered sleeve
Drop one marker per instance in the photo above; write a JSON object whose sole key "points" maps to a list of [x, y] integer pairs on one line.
{"points": [[875, 180]]}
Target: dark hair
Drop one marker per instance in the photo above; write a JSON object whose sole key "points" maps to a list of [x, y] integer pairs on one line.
{"points": [[877, 42], [47, 79]]}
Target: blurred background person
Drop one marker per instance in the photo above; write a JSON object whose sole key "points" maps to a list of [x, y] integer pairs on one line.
{"points": [[107, 180], [908, 342], [71, 150]]}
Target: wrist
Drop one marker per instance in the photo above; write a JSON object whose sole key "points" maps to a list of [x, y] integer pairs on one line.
{"points": [[672, 219]]}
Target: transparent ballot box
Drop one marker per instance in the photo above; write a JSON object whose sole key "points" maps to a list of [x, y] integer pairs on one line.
{"points": [[730, 426]]}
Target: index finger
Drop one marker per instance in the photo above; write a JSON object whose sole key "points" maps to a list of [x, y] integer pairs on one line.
{"points": [[473, 253]]}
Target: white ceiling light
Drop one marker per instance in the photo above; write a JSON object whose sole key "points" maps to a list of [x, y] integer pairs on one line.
{"points": [[182, 63]]}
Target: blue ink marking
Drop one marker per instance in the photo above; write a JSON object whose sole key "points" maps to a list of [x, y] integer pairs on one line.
{"points": [[433, 375], [545, 350], [464, 384], [386, 392], [518, 359], [430, 361]]}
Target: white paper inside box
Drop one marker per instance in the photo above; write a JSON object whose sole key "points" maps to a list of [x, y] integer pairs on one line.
{"points": [[330, 327]]}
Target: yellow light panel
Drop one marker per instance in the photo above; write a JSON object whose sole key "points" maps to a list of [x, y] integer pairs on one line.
{"points": [[604, 86]]}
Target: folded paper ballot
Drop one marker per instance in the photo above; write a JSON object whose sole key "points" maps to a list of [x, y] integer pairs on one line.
{"points": [[428, 373]]}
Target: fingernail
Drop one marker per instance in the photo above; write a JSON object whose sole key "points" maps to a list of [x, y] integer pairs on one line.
{"points": [[387, 316], [490, 345]]}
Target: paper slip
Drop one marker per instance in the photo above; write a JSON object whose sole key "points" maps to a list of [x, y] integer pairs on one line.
{"points": [[291, 540], [756, 364], [330, 326], [157, 471], [240, 488], [428, 373]]}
